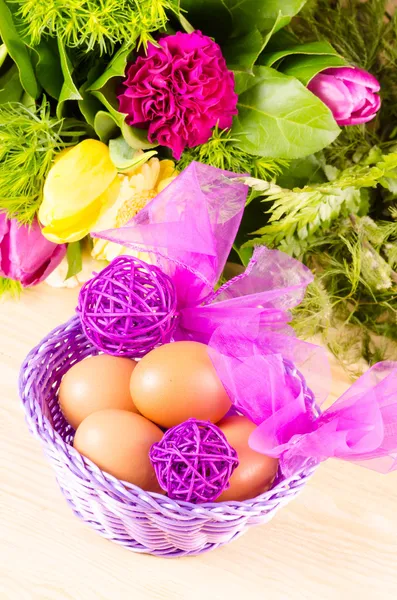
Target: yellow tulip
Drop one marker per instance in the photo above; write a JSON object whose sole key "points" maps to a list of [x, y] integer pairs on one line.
{"points": [[81, 185], [137, 189]]}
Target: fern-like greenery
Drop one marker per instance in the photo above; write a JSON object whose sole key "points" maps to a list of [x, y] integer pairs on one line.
{"points": [[353, 300], [345, 230], [298, 216], [94, 23], [29, 140], [221, 152]]}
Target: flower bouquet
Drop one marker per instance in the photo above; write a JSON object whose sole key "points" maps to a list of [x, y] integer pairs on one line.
{"points": [[103, 104]]}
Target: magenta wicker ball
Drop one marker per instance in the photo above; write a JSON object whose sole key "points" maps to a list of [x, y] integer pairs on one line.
{"points": [[128, 308], [194, 461]]}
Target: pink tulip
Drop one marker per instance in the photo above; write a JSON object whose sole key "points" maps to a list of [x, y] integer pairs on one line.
{"points": [[25, 254], [349, 92]]}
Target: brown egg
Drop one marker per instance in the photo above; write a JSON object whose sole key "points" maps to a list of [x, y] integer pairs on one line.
{"points": [[96, 383], [256, 472], [118, 442], [177, 381]]}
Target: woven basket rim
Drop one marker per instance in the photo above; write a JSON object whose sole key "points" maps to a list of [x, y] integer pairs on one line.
{"points": [[104, 482]]}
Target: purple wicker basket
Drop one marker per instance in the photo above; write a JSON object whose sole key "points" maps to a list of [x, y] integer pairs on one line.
{"points": [[121, 512]]}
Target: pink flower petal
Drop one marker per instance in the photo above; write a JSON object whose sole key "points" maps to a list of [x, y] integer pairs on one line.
{"points": [[355, 75], [359, 95], [25, 254], [372, 106], [356, 120], [334, 94]]}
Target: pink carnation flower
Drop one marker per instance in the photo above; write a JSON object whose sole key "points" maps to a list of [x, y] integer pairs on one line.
{"points": [[180, 91]]}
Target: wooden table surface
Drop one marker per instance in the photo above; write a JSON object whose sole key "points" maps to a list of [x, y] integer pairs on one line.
{"points": [[337, 540]]}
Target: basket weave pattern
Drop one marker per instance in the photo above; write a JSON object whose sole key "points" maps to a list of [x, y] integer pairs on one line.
{"points": [[121, 512]]}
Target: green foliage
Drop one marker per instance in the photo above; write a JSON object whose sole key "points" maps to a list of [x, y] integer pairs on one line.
{"points": [[9, 287], [242, 53], [94, 23], [126, 158], [297, 216], [11, 89], [106, 123], [29, 140], [247, 14], [354, 28], [69, 90], [303, 61], [74, 258], [353, 300], [17, 50], [48, 67], [235, 18], [222, 152], [280, 118]]}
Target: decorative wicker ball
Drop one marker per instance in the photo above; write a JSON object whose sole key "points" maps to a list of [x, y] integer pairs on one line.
{"points": [[128, 308], [194, 461]]}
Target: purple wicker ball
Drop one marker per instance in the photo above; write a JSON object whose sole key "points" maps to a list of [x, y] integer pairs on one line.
{"points": [[128, 308], [194, 461]]}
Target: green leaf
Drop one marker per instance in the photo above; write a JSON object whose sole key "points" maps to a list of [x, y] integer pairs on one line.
{"points": [[48, 67], [244, 254], [213, 18], [279, 118], [29, 102], [302, 61], [69, 91], [104, 89], [89, 105], [243, 79], [105, 126], [261, 14], [124, 157], [74, 258], [244, 51], [18, 51], [116, 67], [305, 68], [187, 27], [3, 54], [316, 48], [136, 138], [107, 96], [301, 172], [11, 89], [225, 19], [281, 40]]}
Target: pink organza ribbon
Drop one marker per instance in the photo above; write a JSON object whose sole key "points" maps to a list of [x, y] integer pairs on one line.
{"points": [[190, 228], [361, 426]]}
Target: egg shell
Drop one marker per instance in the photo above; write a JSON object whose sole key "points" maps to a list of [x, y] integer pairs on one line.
{"points": [[96, 383], [256, 472], [177, 381], [118, 442]]}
